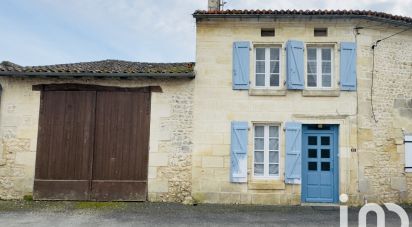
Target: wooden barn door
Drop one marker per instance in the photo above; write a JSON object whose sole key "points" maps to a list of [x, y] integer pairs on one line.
{"points": [[122, 140], [93, 145], [65, 145]]}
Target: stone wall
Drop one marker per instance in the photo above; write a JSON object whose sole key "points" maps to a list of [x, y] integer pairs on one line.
{"points": [[170, 165], [381, 146], [170, 135]]}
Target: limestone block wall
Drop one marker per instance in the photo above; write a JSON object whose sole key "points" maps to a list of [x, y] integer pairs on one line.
{"points": [[170, 154], [381, 149], [216, 105]]}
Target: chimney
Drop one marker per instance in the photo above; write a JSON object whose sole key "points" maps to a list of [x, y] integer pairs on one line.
{"points": [[213, 5]]}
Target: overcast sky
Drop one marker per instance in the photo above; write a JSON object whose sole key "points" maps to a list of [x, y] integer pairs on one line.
{"points": [[38, 32]]}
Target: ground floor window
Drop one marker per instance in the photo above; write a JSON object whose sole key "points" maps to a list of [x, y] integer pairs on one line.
{"points": [[266, 151]]}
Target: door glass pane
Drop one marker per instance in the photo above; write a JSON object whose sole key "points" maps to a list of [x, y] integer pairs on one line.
{"points": [[273, 157], [312, 140], [273, 169], [325, 140], [273, 131], [325, 153], [259, 143], [259, 156], [259, 131], [260, 53], [326, 80], [260, 67], [316, 127], [258, 169], [312, 153], [274, 80], [260, 79], [273, 144], [326, 54], [274, 53], [312, 166], [325, 166], [311, 53], [312, 80]]}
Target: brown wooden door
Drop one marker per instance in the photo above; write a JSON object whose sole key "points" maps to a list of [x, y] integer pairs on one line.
{"points": [[122, 139], [93, 145], [65, 145]]}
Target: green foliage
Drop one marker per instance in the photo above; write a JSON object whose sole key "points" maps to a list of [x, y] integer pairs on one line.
{"points": [[28, 198], [97, 205]]}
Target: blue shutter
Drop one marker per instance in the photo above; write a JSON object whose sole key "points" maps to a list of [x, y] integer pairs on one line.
{"points": [[293, 152], [240, 65], [294, 65], [348, 66], [238, 152]]}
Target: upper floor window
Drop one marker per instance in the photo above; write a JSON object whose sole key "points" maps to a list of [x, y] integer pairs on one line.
{"points": [[266, 151], [319, 67], [267, 67]]}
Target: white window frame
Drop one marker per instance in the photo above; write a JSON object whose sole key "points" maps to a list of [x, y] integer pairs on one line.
{"points": [[408, 152], [319, 67], [267, 66], [266, 163]]}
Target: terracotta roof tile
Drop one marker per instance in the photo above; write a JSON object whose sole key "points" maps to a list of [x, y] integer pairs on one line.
{"points": [[103, 68], [363, 13]]}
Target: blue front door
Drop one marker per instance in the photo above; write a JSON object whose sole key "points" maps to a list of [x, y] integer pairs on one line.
{"points": [[320, 164]]}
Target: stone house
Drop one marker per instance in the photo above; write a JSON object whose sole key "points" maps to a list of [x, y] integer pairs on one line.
{"points": [[283, 105], [287, 107]]}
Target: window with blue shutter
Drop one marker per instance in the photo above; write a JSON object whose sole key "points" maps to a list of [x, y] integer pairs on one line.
{"points": [[293, 159], [348, 66], [238, 152], [241, 65], [294, 65]]}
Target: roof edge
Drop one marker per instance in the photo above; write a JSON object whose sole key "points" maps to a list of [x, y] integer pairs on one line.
{"points": [[96, 75], [212, 15]]}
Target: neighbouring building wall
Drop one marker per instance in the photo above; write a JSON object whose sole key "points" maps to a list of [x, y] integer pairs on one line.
{"points": [[170, 155], [381, 144], [216, 105]]}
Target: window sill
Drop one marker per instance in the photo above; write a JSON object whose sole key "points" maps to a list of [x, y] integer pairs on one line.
{"points": [[266, 92], [321, 93], [408, 170], [266, 185]]}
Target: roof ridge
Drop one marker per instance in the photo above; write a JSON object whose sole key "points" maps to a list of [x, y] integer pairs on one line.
{"points": [[98, 61]]}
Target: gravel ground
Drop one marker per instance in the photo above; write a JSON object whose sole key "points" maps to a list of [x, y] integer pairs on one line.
{"points": [[29, 213]]}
